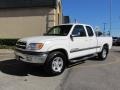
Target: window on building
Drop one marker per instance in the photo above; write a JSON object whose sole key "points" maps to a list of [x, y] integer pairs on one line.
{"points": [[58, 18]]}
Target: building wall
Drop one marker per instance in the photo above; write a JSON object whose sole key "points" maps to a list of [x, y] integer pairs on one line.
{"points": [[26, 22], [19, 23], [58, 15]]}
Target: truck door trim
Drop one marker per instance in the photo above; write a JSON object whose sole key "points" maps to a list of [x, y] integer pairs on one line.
{"points": [[77, 49]]}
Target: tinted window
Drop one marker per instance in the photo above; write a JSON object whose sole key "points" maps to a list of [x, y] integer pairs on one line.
{"points": [[115, 37], [62, 30], [98, 33], [79, 31], [89, 30]]}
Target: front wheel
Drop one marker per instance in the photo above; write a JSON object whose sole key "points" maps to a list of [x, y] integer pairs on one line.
{"points": [[103, 54], [55, 63]]}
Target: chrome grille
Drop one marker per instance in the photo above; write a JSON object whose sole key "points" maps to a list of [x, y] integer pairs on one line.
{"points": [[21, 45]]}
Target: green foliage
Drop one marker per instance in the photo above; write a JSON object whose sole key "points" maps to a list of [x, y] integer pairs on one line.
{"points": [[7, 43]]}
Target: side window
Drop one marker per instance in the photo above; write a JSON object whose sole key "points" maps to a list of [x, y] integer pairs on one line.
{"points": [[56, 30], [79, 31], [98, 33], [90, 31]]}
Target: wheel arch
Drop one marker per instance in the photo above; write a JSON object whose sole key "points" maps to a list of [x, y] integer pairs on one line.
{"points": [[106, 46], [62, 51]]}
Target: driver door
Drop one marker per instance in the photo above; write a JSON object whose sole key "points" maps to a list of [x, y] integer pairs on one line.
{"points": [[79, 42]]}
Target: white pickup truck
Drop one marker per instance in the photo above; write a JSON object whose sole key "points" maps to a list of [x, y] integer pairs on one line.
{"points": [[60, 45]]}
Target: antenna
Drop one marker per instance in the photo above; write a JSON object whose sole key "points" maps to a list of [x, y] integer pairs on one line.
{"points": [[104, 28], [75, 20]]}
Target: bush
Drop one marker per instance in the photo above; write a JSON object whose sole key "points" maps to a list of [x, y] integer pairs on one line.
{"points": [[8, 42]]}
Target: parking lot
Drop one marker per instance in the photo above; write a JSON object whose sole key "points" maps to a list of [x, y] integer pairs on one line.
{"points": [[90, 74]]}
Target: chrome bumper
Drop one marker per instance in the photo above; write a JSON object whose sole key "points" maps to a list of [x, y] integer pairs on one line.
{"points": [[38, 58]]}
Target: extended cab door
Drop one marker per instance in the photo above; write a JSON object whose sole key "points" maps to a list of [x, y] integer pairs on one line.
{"points": [[92, 40], [79, 42]]}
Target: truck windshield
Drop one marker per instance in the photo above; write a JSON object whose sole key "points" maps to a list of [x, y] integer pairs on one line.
{"points": [[61, 30]]}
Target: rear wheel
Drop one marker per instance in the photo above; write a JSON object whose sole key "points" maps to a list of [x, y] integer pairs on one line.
{"points": [[103, 54], [55, 63]]}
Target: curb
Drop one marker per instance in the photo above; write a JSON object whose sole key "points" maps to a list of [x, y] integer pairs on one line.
{"points": [[6, 51]]}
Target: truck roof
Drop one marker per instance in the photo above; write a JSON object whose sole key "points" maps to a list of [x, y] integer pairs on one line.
{"points": [[76, 24]]}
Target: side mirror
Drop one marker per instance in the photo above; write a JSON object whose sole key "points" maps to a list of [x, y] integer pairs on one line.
{"points": [[75, 35], [72, 36]]}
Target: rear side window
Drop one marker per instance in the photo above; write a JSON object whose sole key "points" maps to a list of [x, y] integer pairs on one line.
{"points": [[90, 31]]}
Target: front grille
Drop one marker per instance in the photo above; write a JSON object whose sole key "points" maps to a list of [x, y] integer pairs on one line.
{"points": [[21, 45]]}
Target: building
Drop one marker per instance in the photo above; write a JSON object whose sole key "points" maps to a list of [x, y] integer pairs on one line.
{"points": [[24, 18], [66, 19]]}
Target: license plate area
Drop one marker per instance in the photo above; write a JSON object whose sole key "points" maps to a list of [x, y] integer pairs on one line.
{"points": [[29, 58]]}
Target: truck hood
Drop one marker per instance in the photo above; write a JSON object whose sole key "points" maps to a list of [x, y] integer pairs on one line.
{"points": [[39, 39]]}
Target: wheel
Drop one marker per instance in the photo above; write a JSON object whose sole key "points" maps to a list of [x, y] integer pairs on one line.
{"points": [[103, 54], [55, 63]]}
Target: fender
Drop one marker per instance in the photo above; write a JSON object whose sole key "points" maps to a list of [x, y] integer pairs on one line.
{"points": [[56, 47]]}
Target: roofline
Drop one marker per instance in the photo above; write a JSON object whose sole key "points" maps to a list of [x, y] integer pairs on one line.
{"points": [[75, 24], [9, 5]]}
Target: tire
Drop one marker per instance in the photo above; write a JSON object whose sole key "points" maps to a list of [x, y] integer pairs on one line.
{"points": [[103, 54], [55, 63]]}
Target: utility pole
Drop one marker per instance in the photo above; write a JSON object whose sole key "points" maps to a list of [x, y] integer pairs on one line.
{"points": [[104, 28], [110, 17], [75, 20]]}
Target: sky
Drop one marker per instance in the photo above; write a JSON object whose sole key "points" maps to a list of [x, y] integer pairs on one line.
{"points": [[95, 13]]}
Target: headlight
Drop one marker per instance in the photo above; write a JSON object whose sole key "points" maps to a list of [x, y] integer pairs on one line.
{"points": [[35, 46]]}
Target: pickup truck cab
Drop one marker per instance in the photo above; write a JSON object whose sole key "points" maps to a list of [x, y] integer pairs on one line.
{"points": [[60, 45]]}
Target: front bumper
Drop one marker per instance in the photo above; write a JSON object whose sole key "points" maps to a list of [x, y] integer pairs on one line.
{"points": [[31, 57]]}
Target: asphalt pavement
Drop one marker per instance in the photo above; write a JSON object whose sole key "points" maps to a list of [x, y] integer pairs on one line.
{"points": [[16, 75], [95, 75], [90, 74]]}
